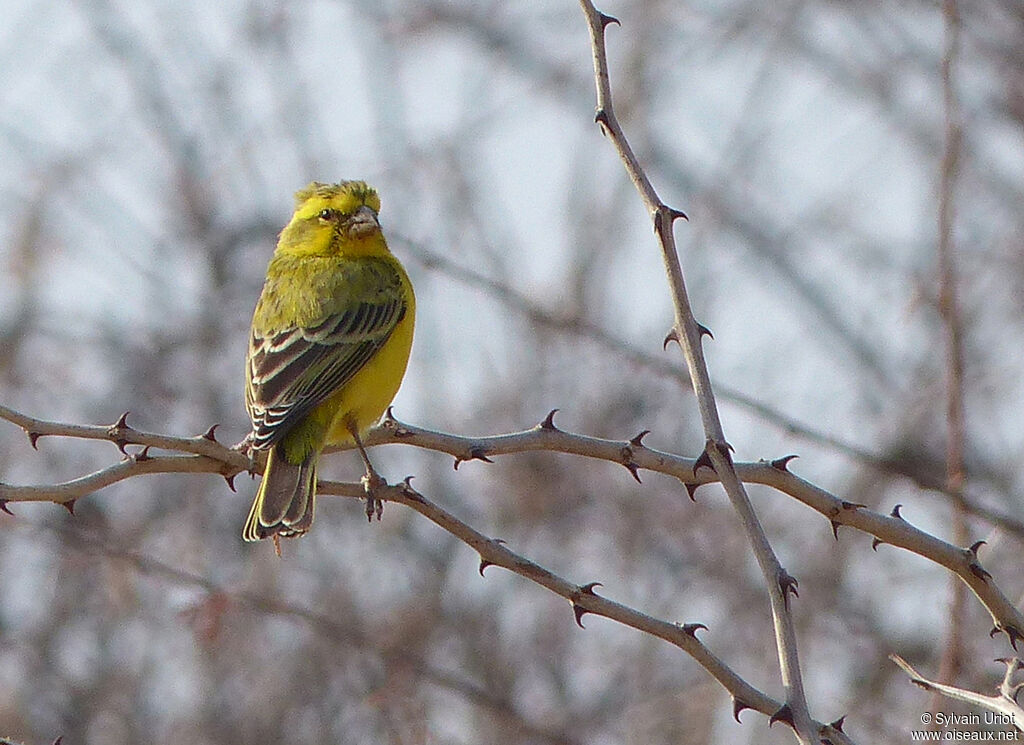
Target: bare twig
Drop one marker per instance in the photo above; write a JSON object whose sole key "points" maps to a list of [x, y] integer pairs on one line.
{"points": [[688, 333], [1004, 704]]}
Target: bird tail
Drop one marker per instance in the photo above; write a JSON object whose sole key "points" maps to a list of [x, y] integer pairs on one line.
{"points": [[284, 502]]}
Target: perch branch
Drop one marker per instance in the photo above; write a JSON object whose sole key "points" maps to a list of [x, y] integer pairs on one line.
{"points": [[634, 455]]}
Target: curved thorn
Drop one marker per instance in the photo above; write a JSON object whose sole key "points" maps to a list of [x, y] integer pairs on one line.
{"points": [[737, 707], [1015, 635], [838, 723], [785, 714], [634, 469], [676, 214], [704, 459], [476, 452], [703, 330], [852, 505], [69, 505], [33, 438], [549, 421], [896, 512], [876, 543], [607, 20], [209, 434], [579, 612], [142, 455], [835, 528], [788, 584], [975, 546], [122, 422], [690, 629], [638, 441], [231, 481], [484, 563], [588, 589], [782, 464], [3, 507], [691, 490], [671, 336]]}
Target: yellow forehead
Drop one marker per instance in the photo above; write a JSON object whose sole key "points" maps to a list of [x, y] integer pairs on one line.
{"points": [[345, 197]]}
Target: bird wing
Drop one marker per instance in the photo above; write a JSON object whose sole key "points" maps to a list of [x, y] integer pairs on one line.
{"points": [[293, 370]]}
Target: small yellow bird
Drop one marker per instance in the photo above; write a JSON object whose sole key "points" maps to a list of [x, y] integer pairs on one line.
{"points": [[330, 342]]}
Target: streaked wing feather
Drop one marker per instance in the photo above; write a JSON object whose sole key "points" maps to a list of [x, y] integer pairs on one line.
{"points": [[295, 370]]}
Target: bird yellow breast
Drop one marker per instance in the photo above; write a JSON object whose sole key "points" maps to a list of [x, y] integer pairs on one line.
{"points": [[370, 391]]}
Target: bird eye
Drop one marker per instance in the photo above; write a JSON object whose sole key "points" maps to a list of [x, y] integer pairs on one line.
{"points": [[325, 214]]}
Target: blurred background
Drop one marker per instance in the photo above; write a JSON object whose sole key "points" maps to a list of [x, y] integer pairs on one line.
{"points": [[149, 153]]}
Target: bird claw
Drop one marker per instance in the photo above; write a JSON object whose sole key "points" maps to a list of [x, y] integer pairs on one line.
{"points": [[372, 481], [245, 445]]}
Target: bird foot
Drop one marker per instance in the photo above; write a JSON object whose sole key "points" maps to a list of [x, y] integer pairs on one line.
{"points": [[372, 481]]}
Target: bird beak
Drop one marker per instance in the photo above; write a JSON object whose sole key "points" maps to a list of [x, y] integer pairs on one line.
{"points": [[363, 222]]}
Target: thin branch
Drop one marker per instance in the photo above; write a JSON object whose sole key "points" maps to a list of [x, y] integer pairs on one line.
{"points": [[688, 333], [120, 433], [584, 599], [342, 634], [585, 329], [632, 454], [952, 322], [1004, 704]]}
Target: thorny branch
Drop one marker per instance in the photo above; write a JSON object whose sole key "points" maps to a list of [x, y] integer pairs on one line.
{"points": [[583, 599], [219, 599], [688, 333], [203, 454], [1004, 703], [584, 328]]}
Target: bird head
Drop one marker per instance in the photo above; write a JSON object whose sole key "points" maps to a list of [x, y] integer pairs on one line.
{"points": [[334, 219]]}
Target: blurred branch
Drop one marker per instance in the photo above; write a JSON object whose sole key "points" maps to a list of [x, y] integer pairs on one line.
{"points": [[687, 332], [953, 333], [1005, 703], [330, 628]]}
